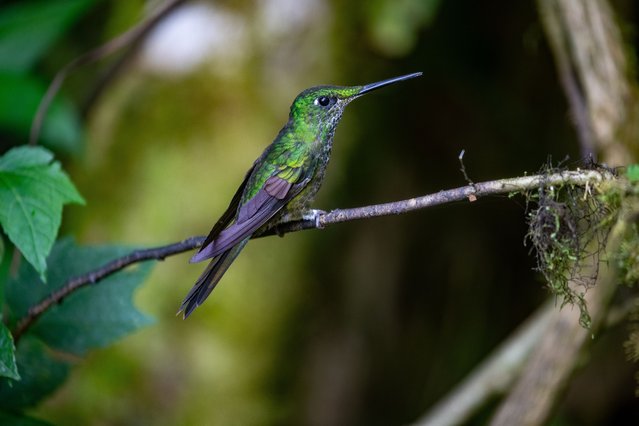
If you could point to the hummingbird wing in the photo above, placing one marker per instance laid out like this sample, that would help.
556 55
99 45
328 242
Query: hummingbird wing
225 243
275 194
230 212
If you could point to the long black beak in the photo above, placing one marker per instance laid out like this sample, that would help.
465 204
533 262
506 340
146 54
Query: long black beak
379 84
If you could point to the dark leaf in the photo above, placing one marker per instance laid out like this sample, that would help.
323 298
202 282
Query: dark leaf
7 418
42 372
94 316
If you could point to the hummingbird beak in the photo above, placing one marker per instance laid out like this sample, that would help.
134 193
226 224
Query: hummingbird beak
379 84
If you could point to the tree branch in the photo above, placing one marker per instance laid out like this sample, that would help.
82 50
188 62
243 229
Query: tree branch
502 186
92 277
495 187
591 60
493 376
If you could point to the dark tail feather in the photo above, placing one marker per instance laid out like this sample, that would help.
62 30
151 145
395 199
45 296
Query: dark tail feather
209 279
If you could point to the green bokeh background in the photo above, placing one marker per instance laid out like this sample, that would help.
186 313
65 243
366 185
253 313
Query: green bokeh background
367 322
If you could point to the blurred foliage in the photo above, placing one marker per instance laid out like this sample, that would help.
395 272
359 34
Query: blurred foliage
27 32
628 259
20 420
28 29
633 172
394 25
42 371
369 322
19 99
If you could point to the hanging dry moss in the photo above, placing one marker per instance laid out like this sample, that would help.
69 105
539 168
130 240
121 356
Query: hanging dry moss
568 231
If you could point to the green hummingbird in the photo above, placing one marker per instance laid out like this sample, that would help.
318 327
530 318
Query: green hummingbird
282 182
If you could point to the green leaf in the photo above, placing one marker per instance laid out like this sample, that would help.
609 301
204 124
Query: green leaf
32 192
20 420
7 354
42 372
632 172
20 96
28 28
94 316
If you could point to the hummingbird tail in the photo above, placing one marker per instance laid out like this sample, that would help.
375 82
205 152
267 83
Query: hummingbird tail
209 279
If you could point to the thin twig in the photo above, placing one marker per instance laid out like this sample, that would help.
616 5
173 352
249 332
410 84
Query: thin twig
502 186
132 36
114 69
463 167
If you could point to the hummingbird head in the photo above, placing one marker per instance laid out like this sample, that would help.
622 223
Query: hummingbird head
319 109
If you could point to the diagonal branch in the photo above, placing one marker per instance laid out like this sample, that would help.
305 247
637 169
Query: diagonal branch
132 37
502 186
493 376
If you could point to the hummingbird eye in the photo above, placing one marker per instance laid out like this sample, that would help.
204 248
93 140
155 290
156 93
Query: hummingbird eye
323 101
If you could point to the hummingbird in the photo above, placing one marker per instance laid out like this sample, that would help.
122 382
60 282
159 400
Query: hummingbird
282 182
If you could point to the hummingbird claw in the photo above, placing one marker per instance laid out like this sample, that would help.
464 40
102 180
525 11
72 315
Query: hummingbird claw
315 215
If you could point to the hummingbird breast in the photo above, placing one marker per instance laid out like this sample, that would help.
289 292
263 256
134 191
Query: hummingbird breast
313 141
318 161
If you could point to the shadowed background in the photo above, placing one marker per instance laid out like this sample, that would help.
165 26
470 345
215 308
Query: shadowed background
367 322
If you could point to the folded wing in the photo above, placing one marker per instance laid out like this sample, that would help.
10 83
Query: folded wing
274 195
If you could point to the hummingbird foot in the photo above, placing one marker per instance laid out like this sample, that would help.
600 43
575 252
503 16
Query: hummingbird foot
315 215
